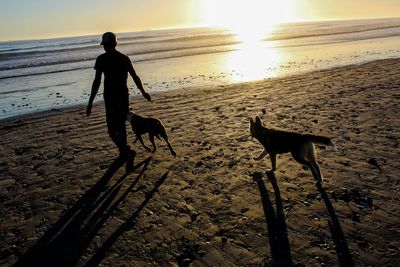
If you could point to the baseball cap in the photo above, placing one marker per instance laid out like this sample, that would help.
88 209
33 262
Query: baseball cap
108 38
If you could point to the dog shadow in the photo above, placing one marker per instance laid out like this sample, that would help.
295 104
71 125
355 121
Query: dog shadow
276 223
64 243
342 250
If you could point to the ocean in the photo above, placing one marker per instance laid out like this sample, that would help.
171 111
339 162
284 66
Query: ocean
40 75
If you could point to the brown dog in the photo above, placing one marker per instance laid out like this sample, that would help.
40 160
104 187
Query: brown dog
152 126
301 146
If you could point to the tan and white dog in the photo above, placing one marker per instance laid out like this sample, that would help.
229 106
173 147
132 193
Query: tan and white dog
301 146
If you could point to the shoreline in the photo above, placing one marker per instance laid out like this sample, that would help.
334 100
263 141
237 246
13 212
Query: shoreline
77 107
64 201
37 93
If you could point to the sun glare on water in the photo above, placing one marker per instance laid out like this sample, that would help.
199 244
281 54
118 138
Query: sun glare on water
251 21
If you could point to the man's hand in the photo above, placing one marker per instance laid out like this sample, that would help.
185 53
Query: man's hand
88 110
147 96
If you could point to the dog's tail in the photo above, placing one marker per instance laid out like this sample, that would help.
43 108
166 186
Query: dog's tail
321 140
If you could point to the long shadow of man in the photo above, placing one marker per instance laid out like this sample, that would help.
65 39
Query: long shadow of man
276 223
68 238
126 226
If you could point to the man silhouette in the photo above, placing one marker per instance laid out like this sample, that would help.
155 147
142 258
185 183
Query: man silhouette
115 67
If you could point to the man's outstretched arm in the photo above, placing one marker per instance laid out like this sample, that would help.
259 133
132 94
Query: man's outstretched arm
95 89
138 83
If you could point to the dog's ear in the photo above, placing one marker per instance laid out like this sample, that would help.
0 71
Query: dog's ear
251 121
258 121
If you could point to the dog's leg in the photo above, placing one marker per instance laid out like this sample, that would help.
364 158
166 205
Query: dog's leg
151 137
134 132
299 157
317 172
262 155
164 135
312 157
141 141
273 163
170 148
271 156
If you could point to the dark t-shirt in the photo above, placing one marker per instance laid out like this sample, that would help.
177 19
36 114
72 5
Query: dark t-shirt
115 67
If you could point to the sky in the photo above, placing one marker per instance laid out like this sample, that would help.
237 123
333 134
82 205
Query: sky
35 19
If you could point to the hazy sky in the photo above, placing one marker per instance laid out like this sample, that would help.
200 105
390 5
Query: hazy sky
26 19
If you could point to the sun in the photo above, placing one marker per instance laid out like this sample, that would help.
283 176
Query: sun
248 19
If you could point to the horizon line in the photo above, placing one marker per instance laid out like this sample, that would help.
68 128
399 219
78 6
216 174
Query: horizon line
43 38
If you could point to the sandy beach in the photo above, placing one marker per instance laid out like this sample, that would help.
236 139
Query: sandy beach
65 201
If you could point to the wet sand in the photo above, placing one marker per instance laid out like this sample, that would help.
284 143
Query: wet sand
66 201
